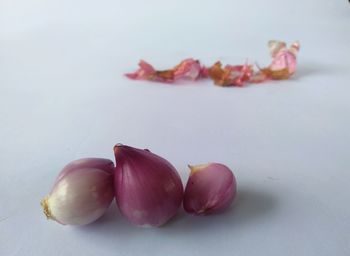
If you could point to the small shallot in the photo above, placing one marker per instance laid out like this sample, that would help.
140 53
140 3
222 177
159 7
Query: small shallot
211 188
82 192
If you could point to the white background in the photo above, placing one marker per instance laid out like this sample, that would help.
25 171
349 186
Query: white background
63 96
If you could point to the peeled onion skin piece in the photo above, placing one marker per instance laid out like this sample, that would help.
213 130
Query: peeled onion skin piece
210 189
81 193
148 188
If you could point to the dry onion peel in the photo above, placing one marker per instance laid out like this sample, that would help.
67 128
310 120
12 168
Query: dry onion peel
283 66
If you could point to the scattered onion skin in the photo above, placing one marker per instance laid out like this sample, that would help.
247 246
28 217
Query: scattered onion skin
148 189
81 193
210 189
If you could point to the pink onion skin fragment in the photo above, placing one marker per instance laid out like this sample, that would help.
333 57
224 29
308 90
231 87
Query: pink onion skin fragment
284 62
81 193
210 189
145 72
282 66
239 74
284 59
188 68
148 189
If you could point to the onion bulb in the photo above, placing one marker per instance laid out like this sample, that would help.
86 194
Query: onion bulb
81 193
148 188
211 188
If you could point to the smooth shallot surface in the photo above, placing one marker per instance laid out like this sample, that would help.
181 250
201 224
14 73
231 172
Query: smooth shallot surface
148 188
210 189
81 193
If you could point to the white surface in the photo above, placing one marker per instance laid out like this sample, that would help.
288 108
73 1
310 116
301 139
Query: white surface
63 96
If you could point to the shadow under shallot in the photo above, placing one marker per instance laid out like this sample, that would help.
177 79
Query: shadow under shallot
249 207
310 69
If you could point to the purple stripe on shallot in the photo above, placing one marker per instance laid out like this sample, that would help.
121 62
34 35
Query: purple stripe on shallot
210 189
82 192
148 188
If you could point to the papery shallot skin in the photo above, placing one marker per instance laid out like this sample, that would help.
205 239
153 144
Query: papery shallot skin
148 188
210 189
81 193
283 66
186 69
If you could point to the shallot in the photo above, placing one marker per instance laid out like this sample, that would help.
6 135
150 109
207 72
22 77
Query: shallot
148 188
82 192
211 188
